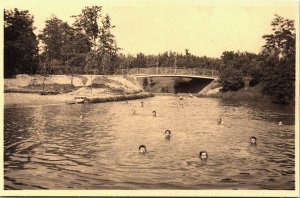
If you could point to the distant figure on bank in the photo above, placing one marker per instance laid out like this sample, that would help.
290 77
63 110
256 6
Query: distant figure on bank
220 121
253 141
280 123
142 149
142 103
181 98
167 134
203 155
154 113
133 111
29 157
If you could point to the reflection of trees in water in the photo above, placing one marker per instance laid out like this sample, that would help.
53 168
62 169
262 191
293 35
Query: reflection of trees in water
260 111
56 129
22 135
21 128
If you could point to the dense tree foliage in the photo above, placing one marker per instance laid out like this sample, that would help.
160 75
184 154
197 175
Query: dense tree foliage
278 57
236 66
88 46
169 59
103 55
274 67
63 46
20 43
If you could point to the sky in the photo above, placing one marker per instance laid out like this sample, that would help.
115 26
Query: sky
206 28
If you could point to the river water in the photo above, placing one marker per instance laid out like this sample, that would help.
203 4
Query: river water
49 146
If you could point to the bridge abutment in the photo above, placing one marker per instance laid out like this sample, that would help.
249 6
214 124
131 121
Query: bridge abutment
174 84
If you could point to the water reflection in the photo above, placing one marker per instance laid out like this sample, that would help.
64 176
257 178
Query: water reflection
96 146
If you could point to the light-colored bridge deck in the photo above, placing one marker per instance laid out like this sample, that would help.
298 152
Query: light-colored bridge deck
171 72
173 75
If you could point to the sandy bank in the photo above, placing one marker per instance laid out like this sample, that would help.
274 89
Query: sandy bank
25 89
24 99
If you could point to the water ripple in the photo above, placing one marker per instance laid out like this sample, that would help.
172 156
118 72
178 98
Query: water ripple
52 147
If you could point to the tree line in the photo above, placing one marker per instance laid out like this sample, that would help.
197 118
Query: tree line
274 67
88 46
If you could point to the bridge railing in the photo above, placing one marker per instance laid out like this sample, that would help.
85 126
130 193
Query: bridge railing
169 71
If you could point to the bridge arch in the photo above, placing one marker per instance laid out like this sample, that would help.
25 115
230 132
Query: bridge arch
173 80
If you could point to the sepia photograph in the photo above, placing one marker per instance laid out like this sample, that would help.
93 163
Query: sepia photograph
193 97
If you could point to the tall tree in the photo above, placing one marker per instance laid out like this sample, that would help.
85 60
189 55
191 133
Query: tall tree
108 46
107 39
87 23
20 43
54 36
103 55
279 60
63 45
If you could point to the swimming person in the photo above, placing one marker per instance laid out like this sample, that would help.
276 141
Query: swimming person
154 113
253 141
220 121
252 148
181 98
142 103
280 123
167 134
142 149
203 155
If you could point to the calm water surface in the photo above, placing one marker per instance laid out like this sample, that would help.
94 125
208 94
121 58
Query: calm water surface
51 147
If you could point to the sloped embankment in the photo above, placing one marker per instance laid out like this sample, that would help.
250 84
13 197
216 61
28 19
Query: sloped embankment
98 88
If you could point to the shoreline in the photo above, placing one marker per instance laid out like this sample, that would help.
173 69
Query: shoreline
12 99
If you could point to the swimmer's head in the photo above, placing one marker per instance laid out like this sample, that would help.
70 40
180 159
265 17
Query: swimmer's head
220 121
133 111
203 155
154 113
142 149
253 140
167 133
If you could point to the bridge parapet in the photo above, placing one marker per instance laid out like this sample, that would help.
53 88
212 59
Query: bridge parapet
169 71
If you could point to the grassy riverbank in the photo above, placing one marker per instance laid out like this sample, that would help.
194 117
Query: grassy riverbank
254 94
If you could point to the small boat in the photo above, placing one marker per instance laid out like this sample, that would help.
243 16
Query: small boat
80 99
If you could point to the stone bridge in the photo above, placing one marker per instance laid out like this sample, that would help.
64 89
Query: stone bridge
171 72
173 80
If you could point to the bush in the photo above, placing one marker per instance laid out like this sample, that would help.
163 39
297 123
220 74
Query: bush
231 79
